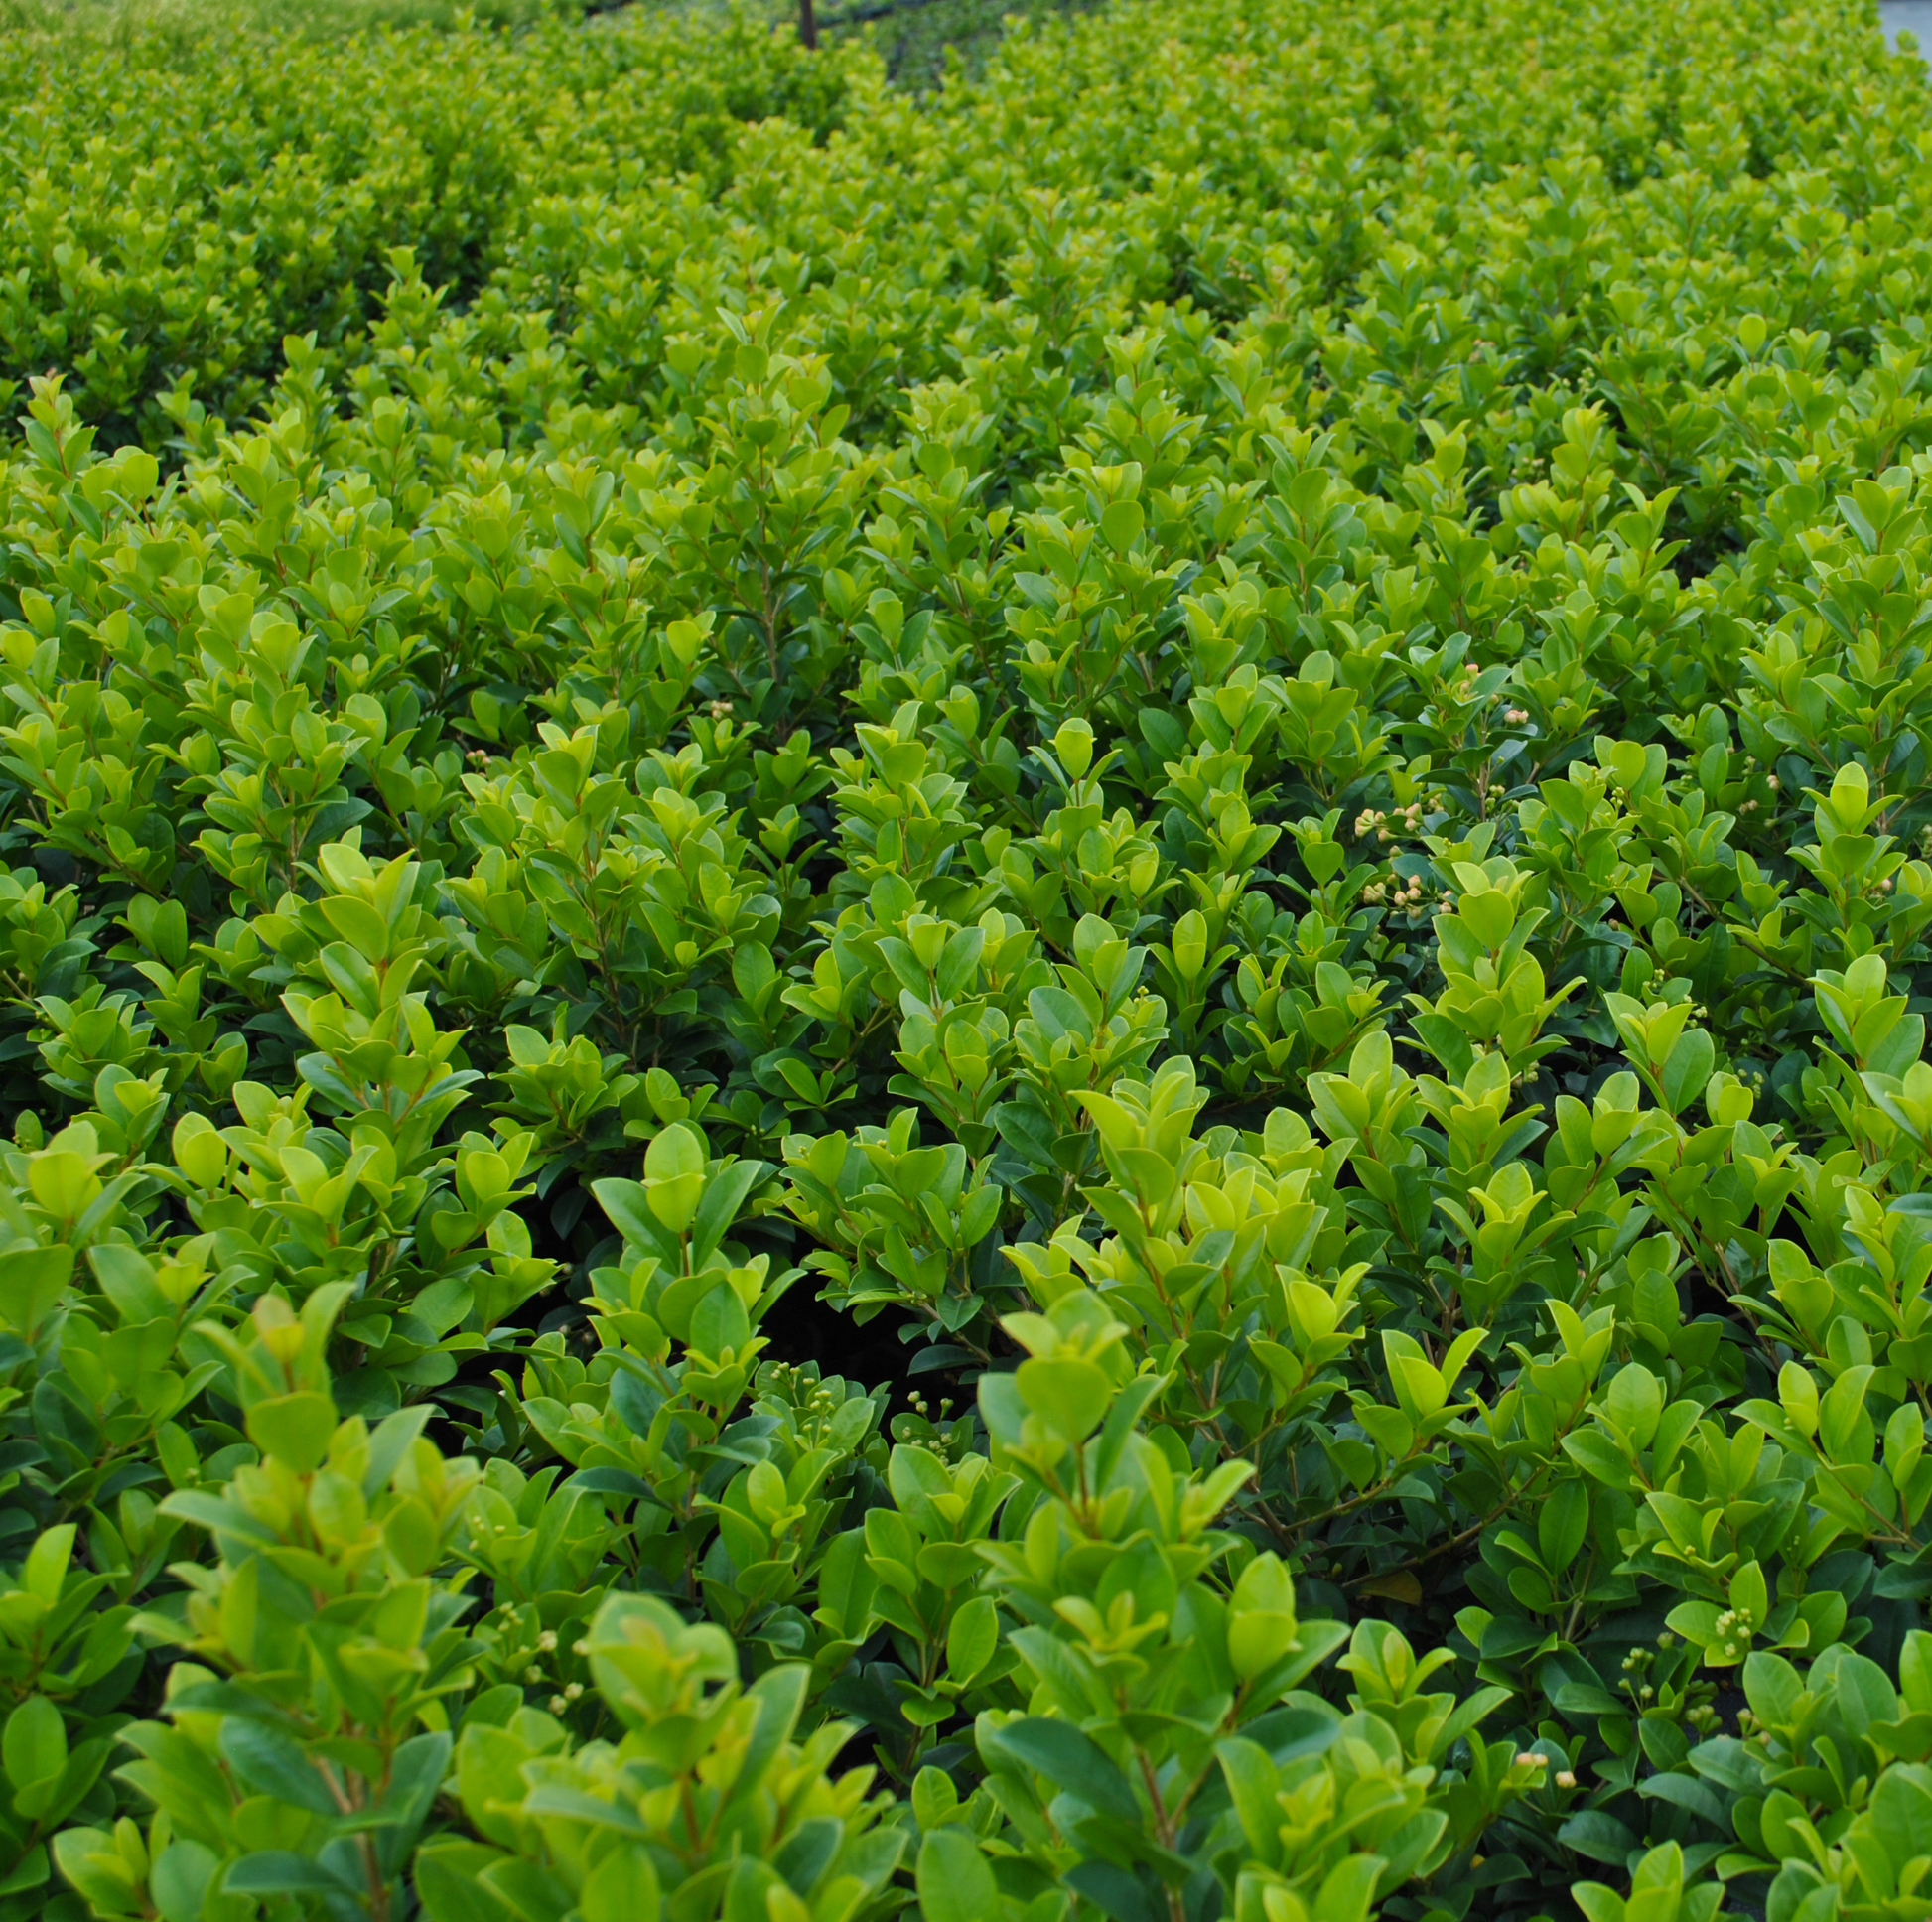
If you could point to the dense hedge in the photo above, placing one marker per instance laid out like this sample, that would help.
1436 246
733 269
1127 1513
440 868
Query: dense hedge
1009 1002
169 213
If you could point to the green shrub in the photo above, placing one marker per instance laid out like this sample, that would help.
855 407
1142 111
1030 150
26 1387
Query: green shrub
1006 1004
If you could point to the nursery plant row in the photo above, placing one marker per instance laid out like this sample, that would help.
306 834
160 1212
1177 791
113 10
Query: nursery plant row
1004 1004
